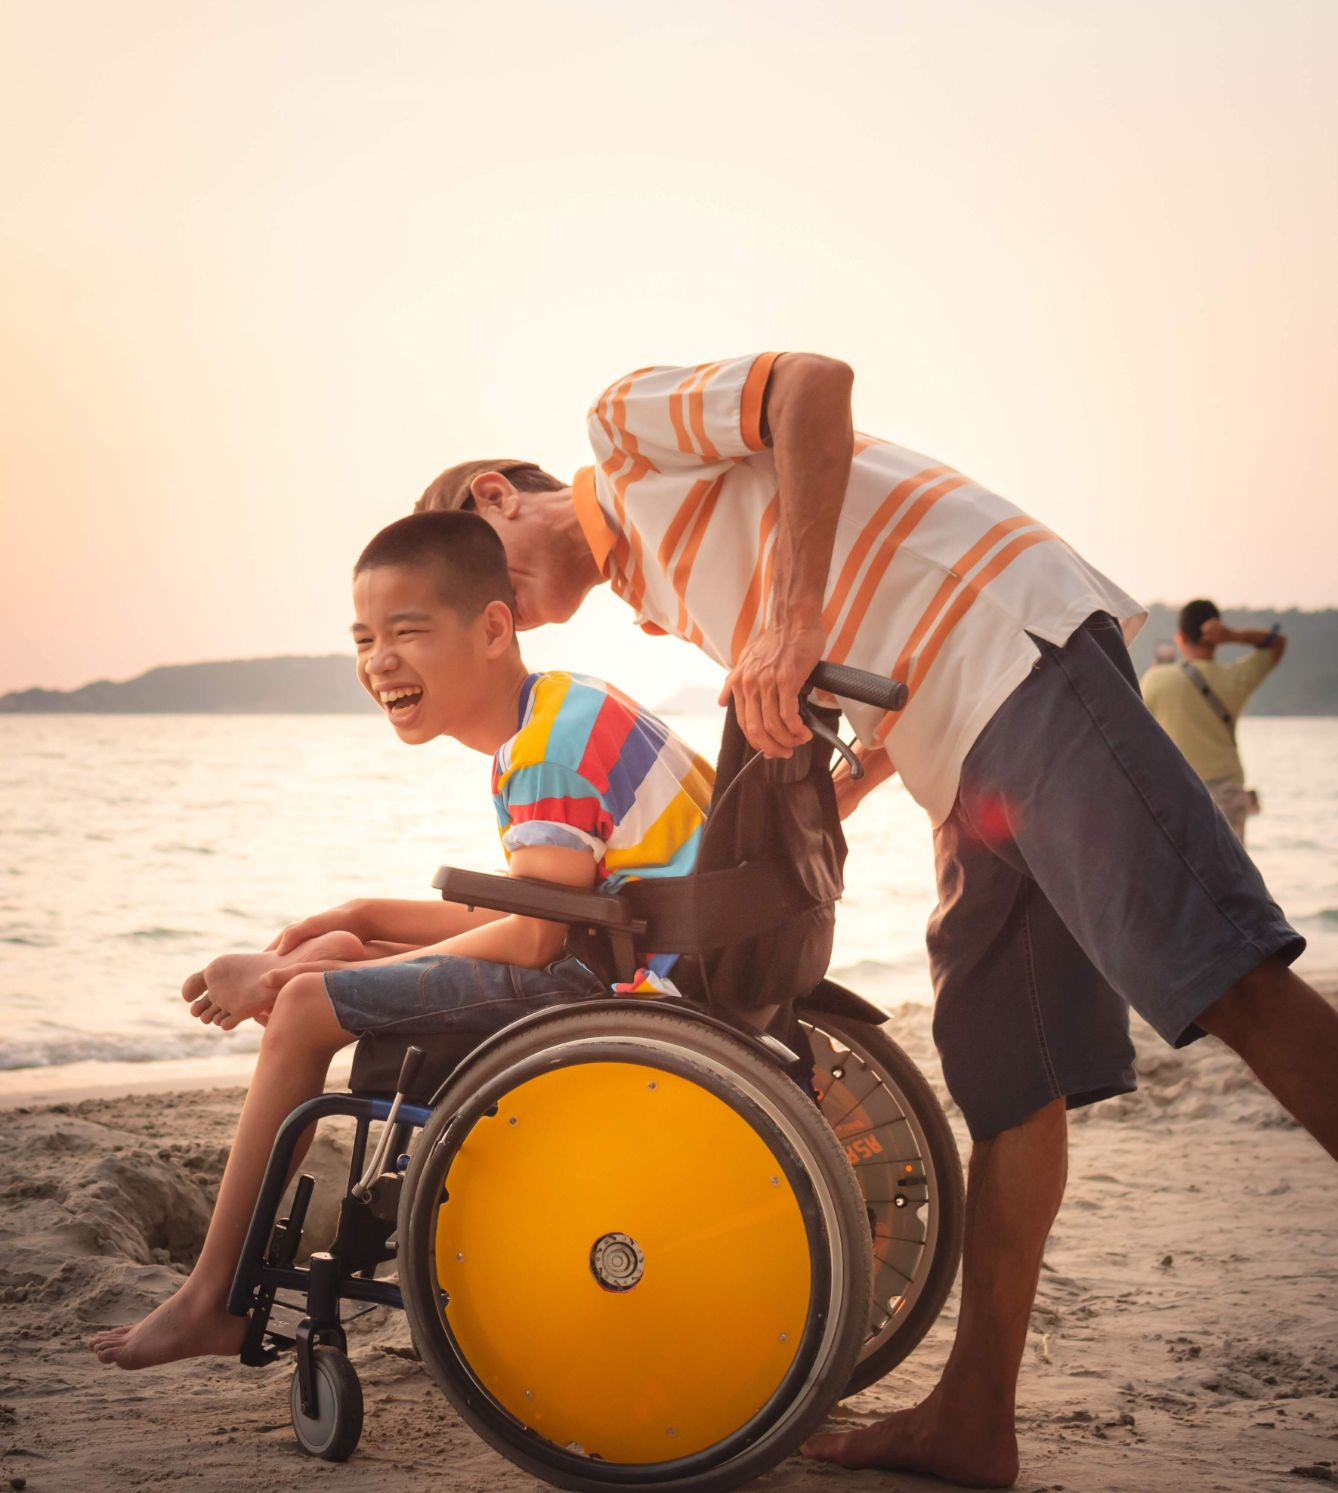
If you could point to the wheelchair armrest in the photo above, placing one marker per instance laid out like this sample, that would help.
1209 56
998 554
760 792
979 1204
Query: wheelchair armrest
530 898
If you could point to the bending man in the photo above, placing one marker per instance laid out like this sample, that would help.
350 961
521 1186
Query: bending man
1082 866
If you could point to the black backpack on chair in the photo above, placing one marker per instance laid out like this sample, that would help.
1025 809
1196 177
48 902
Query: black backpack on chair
753 923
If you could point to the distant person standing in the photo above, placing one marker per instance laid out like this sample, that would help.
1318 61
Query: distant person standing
1197 701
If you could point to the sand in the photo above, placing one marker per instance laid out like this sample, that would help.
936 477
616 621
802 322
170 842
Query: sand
1185 1336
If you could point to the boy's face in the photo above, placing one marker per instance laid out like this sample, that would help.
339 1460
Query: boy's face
422 663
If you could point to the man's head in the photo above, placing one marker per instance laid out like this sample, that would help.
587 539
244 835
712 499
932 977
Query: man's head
532 513
1189 630
436 643
1192 617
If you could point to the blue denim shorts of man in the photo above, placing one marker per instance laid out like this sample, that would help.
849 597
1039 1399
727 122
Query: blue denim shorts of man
1084 869
448 995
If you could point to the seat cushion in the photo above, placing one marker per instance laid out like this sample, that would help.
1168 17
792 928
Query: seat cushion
377 1061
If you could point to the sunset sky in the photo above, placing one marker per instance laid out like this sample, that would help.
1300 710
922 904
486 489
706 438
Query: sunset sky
269 266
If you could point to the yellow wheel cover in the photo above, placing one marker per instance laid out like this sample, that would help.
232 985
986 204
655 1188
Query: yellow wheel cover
706 1304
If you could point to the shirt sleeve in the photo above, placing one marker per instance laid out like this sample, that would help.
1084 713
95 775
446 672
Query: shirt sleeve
683 417
548 804
1246 675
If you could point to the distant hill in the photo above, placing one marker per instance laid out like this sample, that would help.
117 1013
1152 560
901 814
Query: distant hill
247 686
1306 684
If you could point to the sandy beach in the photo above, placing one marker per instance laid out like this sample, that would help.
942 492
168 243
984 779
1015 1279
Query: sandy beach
1185 1335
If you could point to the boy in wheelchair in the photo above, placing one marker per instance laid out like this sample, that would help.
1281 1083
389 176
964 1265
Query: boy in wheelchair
589 791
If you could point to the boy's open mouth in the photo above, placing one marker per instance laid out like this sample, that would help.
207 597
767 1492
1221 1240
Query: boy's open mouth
401 702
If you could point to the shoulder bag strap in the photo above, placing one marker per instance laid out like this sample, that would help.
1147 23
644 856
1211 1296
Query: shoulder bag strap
1196 678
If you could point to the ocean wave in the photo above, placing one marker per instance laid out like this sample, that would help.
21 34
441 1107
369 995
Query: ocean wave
155 935
80 1047
1326 917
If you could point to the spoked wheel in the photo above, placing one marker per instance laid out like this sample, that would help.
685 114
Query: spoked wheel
897 1140
336 1428
633 1254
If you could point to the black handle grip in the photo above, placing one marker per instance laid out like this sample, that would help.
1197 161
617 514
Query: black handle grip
858 684
413 1061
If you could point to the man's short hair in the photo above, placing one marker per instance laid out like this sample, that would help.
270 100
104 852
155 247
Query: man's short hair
463 549
1192 617
451 490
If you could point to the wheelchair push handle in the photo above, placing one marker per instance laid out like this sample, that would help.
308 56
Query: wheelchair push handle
857 684
850 684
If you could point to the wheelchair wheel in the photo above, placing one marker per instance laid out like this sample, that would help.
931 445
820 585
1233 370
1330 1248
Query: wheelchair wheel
335 1430
904 1157
633 1254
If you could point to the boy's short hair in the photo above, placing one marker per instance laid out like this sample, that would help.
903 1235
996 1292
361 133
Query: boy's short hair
451 490
462 548
1192 617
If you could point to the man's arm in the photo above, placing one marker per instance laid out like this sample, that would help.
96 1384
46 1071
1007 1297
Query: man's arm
1216 631
806 418
878 767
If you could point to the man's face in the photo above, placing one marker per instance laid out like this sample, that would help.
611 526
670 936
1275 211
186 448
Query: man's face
417 658
545 589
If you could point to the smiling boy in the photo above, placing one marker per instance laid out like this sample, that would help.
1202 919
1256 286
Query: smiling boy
589 790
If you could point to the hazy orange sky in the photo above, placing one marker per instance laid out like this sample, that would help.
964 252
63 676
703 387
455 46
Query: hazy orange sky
269 266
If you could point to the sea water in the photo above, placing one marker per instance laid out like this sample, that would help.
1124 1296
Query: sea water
135 848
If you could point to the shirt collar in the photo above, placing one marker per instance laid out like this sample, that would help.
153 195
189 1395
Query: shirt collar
591 517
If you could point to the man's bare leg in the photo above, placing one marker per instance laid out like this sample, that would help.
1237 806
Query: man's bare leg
301 1038
964 1431
1288 1035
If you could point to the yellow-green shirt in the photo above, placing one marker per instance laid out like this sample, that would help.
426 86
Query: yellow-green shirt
1187 718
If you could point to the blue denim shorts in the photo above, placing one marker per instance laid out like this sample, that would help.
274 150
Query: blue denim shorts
444 994
1084 869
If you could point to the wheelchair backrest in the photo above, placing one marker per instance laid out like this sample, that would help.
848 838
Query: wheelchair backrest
753 924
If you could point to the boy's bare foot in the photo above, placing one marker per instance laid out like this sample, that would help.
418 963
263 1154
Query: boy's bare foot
231 983
917 1440
182 1327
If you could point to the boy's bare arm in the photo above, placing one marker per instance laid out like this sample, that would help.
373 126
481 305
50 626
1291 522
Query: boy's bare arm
505 938
388 920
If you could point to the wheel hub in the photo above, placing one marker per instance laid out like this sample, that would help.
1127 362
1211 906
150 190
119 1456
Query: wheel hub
616 1262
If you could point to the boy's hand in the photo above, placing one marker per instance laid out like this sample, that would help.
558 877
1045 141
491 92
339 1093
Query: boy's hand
345 919
276 979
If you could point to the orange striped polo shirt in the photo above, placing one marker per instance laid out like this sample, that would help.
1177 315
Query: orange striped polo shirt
934 579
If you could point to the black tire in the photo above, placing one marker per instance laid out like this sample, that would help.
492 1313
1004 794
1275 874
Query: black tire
898 1123
767 1099
334 1432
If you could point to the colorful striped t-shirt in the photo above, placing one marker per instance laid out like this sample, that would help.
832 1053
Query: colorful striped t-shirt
589 769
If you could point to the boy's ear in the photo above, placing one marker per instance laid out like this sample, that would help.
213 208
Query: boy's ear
499 628
491 491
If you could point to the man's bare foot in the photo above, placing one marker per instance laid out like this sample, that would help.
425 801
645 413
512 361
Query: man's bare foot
917 1440
181 1327
231 983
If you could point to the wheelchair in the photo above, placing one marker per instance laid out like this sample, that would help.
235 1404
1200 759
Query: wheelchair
641 1242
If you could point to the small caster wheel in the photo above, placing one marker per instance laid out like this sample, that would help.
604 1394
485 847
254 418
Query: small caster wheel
334 1431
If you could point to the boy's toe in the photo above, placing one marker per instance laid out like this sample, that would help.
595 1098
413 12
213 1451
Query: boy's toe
194 986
